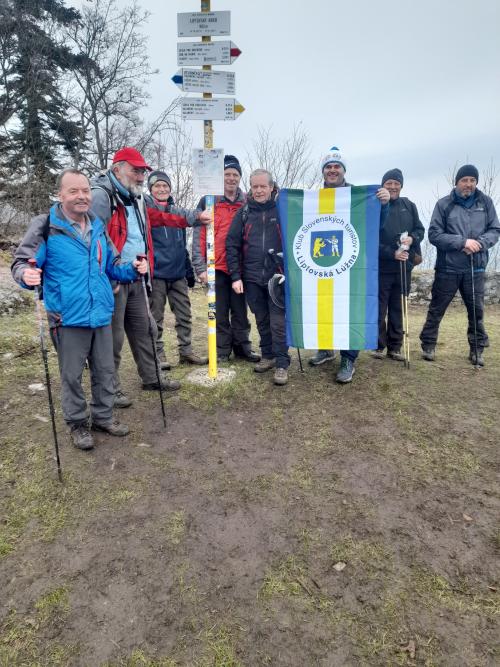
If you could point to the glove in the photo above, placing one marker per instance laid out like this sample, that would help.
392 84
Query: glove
191 281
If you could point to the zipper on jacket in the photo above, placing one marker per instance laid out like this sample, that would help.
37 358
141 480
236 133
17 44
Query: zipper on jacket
263 244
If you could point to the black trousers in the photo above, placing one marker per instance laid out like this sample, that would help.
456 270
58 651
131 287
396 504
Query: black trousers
270 323
233 327
443 290
390 315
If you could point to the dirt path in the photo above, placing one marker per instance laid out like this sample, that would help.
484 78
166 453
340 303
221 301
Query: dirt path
308 525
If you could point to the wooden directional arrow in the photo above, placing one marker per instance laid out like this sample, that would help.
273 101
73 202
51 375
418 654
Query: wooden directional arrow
207 53
203 81
217 108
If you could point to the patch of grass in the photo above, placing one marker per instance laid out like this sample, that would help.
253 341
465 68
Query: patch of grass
300 475
176 527
219 649
290 579
434 590
53 604
372 557
139 658
21 638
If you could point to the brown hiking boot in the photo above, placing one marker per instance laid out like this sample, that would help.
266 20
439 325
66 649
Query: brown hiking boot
193 358
280 376
264 365
81 437
114 427
166 385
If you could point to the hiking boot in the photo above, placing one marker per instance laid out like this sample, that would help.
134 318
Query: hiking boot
429 353
122 400
264 365
250 356
222 358
321 357
395 355
81 437
165 366
479 360
377 354
166 385
192 358
114 427
280 376
346 371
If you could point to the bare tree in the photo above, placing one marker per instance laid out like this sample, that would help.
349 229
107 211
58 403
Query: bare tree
170 150
107 92
289 159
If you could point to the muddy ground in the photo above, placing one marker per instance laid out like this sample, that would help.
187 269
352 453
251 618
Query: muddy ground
310 525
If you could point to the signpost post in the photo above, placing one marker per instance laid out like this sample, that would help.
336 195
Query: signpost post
206 24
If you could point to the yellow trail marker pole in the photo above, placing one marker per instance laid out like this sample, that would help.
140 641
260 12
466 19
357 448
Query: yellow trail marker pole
208 143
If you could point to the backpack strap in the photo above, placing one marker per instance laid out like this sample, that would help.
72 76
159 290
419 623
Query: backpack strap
446 213
113 202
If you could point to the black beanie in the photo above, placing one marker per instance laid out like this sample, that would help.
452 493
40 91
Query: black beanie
155 176
231 162
467 170
393 175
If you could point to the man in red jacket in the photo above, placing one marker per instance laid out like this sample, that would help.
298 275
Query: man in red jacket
233 327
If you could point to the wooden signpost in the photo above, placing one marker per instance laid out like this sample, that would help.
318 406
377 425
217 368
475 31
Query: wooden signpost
207 24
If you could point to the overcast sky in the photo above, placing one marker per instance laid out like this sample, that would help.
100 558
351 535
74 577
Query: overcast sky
416 85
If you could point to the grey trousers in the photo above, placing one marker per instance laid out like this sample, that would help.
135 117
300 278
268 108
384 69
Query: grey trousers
131 318
76 345
178 299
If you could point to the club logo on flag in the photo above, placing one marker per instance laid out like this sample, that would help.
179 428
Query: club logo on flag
327 247
323 243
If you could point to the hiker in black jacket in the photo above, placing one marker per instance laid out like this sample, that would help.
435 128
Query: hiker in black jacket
253 233
464 225
402 218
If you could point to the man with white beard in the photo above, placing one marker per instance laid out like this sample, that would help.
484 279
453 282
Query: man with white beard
117 200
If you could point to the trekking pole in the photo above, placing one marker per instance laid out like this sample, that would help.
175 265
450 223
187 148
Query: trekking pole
153 344
476 365
43 347
407 322
403 320
300 360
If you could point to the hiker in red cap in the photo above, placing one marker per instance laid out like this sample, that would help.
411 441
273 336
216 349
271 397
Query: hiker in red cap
117 199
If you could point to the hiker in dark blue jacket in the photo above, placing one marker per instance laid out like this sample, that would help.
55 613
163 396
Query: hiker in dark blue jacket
77 259
464 225
173 272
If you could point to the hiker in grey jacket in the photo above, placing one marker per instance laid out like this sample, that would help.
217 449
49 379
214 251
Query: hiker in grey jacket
463 227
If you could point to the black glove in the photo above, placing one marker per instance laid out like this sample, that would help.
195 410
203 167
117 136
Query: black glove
191 281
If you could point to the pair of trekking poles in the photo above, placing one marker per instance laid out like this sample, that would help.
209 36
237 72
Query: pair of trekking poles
404 309
44 351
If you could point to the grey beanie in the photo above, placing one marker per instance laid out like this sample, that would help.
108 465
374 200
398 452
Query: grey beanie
393 175
156 176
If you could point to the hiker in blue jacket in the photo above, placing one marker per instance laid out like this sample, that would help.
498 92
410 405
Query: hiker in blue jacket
74 254
173 271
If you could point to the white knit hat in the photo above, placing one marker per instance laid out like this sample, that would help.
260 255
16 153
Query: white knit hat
333 156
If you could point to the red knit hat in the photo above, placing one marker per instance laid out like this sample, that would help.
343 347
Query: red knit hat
132 156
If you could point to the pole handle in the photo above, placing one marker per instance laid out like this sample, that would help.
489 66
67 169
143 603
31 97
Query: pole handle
141 256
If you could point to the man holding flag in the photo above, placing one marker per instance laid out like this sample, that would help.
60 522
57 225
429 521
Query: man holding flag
334 169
